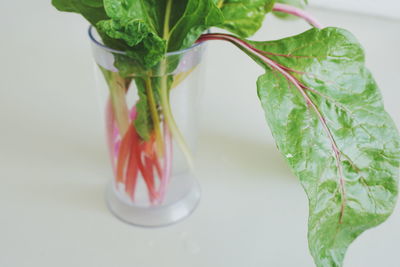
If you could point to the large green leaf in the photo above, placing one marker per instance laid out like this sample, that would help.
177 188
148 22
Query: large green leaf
131 23
244 17
335 134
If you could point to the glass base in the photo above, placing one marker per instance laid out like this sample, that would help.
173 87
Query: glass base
182 198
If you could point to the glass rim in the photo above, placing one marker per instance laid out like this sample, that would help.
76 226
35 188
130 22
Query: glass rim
112 50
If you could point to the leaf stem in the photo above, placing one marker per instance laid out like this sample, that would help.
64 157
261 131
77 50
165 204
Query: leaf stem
166 173
169 118
288 9
167 19
164 94
154 116
118 86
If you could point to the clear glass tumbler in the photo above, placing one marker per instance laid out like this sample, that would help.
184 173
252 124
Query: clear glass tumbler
147 113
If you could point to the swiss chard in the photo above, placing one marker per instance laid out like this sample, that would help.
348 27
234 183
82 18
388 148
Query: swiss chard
321 103
327 117
328 120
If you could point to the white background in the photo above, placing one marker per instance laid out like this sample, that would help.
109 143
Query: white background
54 166
384 8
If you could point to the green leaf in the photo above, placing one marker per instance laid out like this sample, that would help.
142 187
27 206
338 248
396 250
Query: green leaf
92 10
130 22
93 3
157 10
335 135
144 46
198 16
244 17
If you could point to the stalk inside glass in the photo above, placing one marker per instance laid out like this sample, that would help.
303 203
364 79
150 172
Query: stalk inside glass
147 113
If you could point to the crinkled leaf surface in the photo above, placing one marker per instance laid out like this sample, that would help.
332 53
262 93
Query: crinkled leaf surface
354 188
131 23
244 17
150 28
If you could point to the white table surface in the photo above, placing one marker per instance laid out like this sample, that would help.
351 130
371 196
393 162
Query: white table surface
54 165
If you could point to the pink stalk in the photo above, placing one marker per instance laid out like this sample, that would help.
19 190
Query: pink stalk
116 140
166 174
149 179
237 41
298 13
110 125
157 167
117 143
133 113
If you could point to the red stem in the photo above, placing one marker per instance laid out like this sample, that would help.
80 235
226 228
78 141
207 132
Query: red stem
124 152
157 166
132 169
287 9
110 125
148 168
